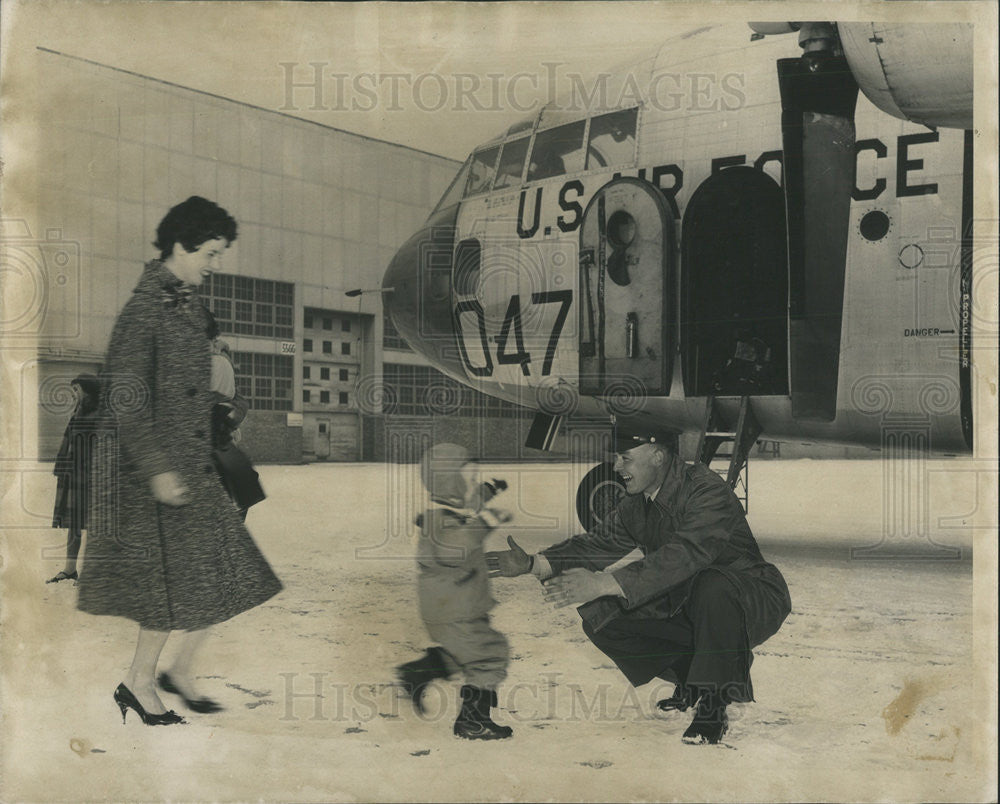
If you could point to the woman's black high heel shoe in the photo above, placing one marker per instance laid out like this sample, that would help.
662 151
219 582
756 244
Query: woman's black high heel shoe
204 706
126 700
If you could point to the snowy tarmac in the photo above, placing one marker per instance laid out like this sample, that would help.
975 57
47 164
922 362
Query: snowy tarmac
866 693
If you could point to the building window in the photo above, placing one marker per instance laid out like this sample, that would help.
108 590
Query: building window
265 380
345 325
324 397
342 397
244 305
244 318
327 323
344 375
306 371
263 297
307 345
307 319
305 397
409 386
324 373
222 308
328 347
345 348
391 339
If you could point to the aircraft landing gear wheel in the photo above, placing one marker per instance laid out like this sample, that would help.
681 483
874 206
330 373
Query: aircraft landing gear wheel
598 493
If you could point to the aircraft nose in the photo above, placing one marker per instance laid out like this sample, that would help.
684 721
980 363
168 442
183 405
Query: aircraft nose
419 303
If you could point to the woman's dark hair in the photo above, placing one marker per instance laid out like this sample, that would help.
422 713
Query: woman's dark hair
90 387
192 223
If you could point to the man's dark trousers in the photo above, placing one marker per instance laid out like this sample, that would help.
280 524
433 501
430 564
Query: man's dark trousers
704 645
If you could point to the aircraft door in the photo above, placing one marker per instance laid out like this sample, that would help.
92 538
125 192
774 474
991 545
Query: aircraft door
734 286
627 279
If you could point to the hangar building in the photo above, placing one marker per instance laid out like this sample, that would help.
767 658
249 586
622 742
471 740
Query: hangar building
320 211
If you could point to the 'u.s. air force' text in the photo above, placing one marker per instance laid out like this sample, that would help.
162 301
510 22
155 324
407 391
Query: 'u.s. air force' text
669 179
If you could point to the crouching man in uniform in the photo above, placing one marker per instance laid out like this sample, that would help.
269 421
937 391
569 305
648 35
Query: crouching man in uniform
696 603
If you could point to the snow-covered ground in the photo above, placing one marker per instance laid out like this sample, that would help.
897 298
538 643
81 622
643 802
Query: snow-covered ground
867 692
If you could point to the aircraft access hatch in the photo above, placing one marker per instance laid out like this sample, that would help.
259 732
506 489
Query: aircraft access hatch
734 287
627 298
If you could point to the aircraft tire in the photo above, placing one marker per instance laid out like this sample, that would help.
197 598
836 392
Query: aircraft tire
598 493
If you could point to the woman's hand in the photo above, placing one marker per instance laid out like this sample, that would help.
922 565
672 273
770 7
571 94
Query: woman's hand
168 489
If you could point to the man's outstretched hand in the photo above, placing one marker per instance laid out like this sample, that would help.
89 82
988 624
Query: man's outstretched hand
578 585
508 563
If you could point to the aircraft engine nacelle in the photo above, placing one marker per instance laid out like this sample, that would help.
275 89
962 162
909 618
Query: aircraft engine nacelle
918 72
914 71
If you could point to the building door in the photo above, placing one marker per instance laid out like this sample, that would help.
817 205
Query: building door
323 440
343 437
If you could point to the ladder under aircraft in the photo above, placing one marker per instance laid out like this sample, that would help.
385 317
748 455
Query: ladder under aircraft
716 431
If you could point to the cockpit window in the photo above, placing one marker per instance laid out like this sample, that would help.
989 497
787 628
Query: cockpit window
521 125
455 190
511 163
557 151
481 171
468 264
612 139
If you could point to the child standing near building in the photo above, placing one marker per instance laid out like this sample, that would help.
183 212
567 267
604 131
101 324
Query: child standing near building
454 593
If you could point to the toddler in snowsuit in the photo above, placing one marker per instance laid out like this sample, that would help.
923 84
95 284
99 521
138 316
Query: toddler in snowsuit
454 593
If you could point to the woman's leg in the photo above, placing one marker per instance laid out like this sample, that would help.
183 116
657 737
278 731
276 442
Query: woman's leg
73 539
68 572
181 671
141 676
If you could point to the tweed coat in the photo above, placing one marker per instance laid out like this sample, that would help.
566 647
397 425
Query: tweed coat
695 524
166 567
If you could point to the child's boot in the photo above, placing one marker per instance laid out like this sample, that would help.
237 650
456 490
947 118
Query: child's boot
416 675
474 721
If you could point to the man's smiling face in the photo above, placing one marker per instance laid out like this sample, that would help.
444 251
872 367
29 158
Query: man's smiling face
642 468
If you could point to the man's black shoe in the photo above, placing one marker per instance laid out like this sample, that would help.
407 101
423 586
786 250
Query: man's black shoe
416 675
684 698
710 722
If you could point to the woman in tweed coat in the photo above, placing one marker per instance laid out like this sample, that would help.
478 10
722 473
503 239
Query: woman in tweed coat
167 546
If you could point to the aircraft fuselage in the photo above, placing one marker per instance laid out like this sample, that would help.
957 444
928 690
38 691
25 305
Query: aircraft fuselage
809 254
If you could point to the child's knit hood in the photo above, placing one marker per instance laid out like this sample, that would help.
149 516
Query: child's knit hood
441 471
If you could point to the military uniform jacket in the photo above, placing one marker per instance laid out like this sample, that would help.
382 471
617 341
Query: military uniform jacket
695 524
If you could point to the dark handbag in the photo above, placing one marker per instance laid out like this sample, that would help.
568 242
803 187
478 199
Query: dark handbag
238 475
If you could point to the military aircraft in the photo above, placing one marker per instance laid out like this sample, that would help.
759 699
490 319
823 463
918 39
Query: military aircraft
724 236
